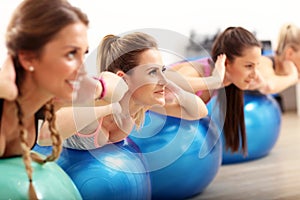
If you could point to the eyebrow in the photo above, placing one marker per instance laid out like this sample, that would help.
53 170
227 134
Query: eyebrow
156 67
75 47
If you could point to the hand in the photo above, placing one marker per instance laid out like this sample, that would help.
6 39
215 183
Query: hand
291 69
220 69
116 87
8 86
258 83
116 108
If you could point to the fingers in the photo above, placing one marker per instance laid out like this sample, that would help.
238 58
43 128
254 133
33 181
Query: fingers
8 86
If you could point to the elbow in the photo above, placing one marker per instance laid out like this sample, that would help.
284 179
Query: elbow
268 89
201 112
205 113
44 138
44 142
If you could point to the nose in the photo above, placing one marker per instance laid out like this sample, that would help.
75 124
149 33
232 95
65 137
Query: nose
81 72
162 80
80 65
253 74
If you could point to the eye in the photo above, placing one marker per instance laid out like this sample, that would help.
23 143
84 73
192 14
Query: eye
163 69
153 72
71 54
249 66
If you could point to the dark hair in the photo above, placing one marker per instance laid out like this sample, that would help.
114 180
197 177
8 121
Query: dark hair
232 42
33 24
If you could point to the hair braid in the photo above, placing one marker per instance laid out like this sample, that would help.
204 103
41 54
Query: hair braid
55 137
26 151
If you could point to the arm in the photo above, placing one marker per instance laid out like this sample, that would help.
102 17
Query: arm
70 120
193 81
8 88
111 87
181 104
268 82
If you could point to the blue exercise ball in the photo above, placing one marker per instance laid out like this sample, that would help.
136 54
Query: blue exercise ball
114 171
263 123
182 156
49 180
44 150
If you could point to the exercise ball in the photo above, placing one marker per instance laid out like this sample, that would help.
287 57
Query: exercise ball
49 180
262 121
114 171
44 150
182 157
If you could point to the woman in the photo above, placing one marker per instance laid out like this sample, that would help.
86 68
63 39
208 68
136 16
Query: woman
281 71
234 71
46 42
134 57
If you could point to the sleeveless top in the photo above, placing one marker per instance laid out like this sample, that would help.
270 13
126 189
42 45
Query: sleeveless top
205 62
90 141
38 116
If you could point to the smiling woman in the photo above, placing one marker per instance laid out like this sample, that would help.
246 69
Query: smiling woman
236 53
134 57
46 43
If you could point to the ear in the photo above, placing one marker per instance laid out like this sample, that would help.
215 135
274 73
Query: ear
26 59
120 73
227 63
289 52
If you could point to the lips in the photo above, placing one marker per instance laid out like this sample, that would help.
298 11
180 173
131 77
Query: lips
75 84
161 92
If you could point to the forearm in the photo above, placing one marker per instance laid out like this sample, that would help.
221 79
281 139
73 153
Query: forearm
194 83
277 84
192 106
70 120
183 104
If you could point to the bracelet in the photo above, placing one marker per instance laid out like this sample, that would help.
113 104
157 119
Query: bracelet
103 93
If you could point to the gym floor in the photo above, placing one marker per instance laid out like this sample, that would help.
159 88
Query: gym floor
275 176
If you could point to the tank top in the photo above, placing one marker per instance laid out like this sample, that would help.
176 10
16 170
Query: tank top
38 116
90 141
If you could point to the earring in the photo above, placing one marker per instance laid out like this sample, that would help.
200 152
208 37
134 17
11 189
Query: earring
31 68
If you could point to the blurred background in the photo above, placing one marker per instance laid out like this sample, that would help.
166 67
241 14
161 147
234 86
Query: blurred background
200 20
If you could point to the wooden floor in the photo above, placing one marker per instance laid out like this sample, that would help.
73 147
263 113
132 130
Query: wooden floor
276 176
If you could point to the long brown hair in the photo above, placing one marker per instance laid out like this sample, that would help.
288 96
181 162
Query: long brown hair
34 23
122 53
233 41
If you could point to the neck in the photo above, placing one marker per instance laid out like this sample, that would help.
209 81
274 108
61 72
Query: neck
129 106
31 98
226 80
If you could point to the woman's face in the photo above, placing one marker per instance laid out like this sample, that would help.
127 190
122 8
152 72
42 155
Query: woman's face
146 82
56 71
242 70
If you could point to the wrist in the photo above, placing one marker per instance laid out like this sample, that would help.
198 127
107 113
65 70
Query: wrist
103 86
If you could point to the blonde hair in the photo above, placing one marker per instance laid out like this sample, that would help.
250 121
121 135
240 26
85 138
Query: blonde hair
122 53
289 36
27 156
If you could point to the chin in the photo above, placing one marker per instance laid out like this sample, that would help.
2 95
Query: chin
160 102
243 86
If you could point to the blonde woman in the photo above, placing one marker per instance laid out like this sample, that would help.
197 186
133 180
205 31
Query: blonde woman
134 57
